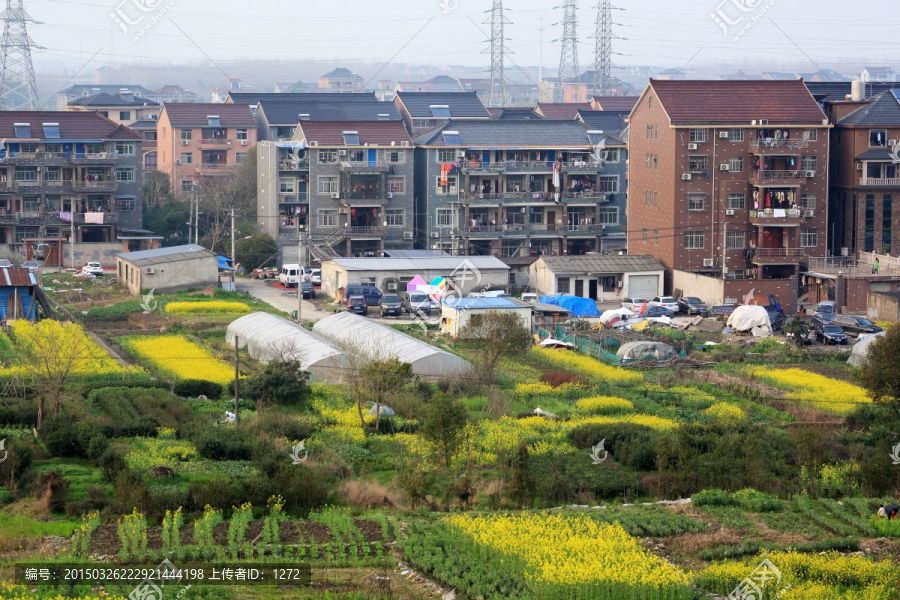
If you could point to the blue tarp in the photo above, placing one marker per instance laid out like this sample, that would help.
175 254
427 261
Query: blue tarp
225 264
579 307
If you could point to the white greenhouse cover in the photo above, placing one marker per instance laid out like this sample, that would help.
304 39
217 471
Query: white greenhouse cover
749 317
374 341
267 337
861 349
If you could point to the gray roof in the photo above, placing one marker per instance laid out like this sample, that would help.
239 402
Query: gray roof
81 89
166 255
598 264
836 91
105 99
515 134
414 253
608 121
883 110
447 264
463 105
286 112
876 154
256 97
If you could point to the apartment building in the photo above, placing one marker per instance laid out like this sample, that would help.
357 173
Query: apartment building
341 80
347 185
423 111
520 189
277 118
122 108
149 153
198 141
65 173
728 184
865 174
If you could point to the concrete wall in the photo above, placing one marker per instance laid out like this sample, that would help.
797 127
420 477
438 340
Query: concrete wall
453 321
733 291
192 273
545 281
884 307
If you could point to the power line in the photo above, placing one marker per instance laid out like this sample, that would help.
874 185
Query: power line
17 82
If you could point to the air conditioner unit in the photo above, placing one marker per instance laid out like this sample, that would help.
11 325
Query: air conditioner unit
185 142
435 234
335 195
693 146
313 143
460 154
729 212
178 162
342 153
407 235
724 167
243 142
150 271
390 195
809 214
810 174
686 177
392 286
723 135
404 144
859 166
709 262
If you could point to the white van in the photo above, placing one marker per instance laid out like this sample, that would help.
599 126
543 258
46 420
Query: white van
289 275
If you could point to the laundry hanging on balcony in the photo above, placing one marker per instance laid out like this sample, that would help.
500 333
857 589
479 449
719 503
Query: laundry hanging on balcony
93 218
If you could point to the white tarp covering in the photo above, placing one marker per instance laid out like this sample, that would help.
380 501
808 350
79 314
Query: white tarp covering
646 351
375 341
616 317
750 318
861 349
267 337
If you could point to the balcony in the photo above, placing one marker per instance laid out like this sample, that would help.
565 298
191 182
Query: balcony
366 232
524 198
293 198
586 196
526 166
213 168
218 142
765 145
779 256
779 217
519 230
478 167
367 167
879 181
94 186
581 166
294 165
90 157
779 178
96 218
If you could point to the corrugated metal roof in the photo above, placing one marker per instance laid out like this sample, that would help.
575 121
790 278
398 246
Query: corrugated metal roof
602 264
17 277
426 263
164 255
485 304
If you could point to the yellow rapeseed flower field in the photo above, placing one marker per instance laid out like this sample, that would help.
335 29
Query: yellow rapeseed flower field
827 394
181 358
207 307
588 366
604 405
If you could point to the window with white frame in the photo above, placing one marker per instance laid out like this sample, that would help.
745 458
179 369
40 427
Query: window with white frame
699 136
878 138
328 185
612 155
811 135
736 165
609 184
395 217
651 198
652 161
809 238
735 135
698 164
694 240
446 155
125 204
328 157
396 185
53 203
609 215
645 235
696 202
287 186
187 134
652 132
736 240
737 200
808 201
124 148
328 217
125 174
187 185
26 173
186 158
445 186
241 135
809 163
563 285
52 174
31 204
444 217
395 156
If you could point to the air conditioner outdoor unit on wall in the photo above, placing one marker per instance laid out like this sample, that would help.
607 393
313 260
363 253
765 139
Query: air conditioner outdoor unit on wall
407 235
693 146
335 195
342 153
709 262
724 167
809 214
723 135
185 142
460 154
810 174
686 177
435 234
729 213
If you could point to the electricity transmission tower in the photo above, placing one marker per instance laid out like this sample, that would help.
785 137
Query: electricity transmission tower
498 21
17 87
603 37
568 56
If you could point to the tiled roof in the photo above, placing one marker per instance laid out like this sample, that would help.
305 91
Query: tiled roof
514 113
439 83
194 114
598 264
714 102
331 134
463 105
611 121
104 99
341 73
835 91
72 125
79 89
625 103
561 110
256 97
883 110
145 124
281 112
514 134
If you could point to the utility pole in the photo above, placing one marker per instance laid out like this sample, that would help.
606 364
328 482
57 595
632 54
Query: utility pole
190 238
72 242
237 382
197 218
17 87
497 50
300 267
568 56
724 249
233 259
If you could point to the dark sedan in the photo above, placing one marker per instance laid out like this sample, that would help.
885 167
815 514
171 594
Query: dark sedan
656 312
829 333
357 304
691 305
391 306
856 325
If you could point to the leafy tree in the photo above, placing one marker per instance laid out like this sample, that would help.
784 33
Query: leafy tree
378 382
879 374
279 382
169 220
498 334
257 250
797 330
443 425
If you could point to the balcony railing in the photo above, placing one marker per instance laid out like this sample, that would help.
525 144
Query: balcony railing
592 195
880 181
779 217
779 256
521 229
291 165
293 198
103 185
767 143
774 176
367 165
367 231
215 141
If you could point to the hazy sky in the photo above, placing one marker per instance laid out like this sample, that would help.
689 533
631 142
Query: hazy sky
445 32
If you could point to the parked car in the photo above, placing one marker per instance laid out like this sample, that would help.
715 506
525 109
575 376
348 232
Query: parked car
358 305
691 305
316 276
826 310
530 297
289 275
856 325
722 310
5 263
415 302
777 319
828 333
667 302
371 293
391 306
658 311
307 289
634 304
264 274
93 268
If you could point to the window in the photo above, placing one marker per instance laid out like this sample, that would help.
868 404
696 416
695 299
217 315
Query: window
328 185
809 238
563 285
735 240
22 130
645 235
395 217
808 201
26 174
396 185
328 157
736 165
445 190
612 155
125 174
240 157
150 136
870 223
187 134
53 203
187 185
696 202
51 131
736 201
186 158
699 136
358 156
887 213
698 164
241 134
52 174
651 198
536 215
878 138
652 132
735 135
451 138
328 218
694 240
124 148
351 138
444 217
811 135
31 204
609 184
125 204
395 156
652 161
287 186
609 216
809 163
651 102
124 115
446 156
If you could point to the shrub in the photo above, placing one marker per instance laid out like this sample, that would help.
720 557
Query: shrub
194 388
558 378
279 424
97 446
604 405
728 415
755 501
713 497
224 444
62 438
279 382
112 462
54 488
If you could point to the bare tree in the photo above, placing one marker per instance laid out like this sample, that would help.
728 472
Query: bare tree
498 334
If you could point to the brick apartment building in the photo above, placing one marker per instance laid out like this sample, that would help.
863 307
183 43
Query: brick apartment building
197 141
728 185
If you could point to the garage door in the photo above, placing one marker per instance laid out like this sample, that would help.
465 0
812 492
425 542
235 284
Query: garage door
643 286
